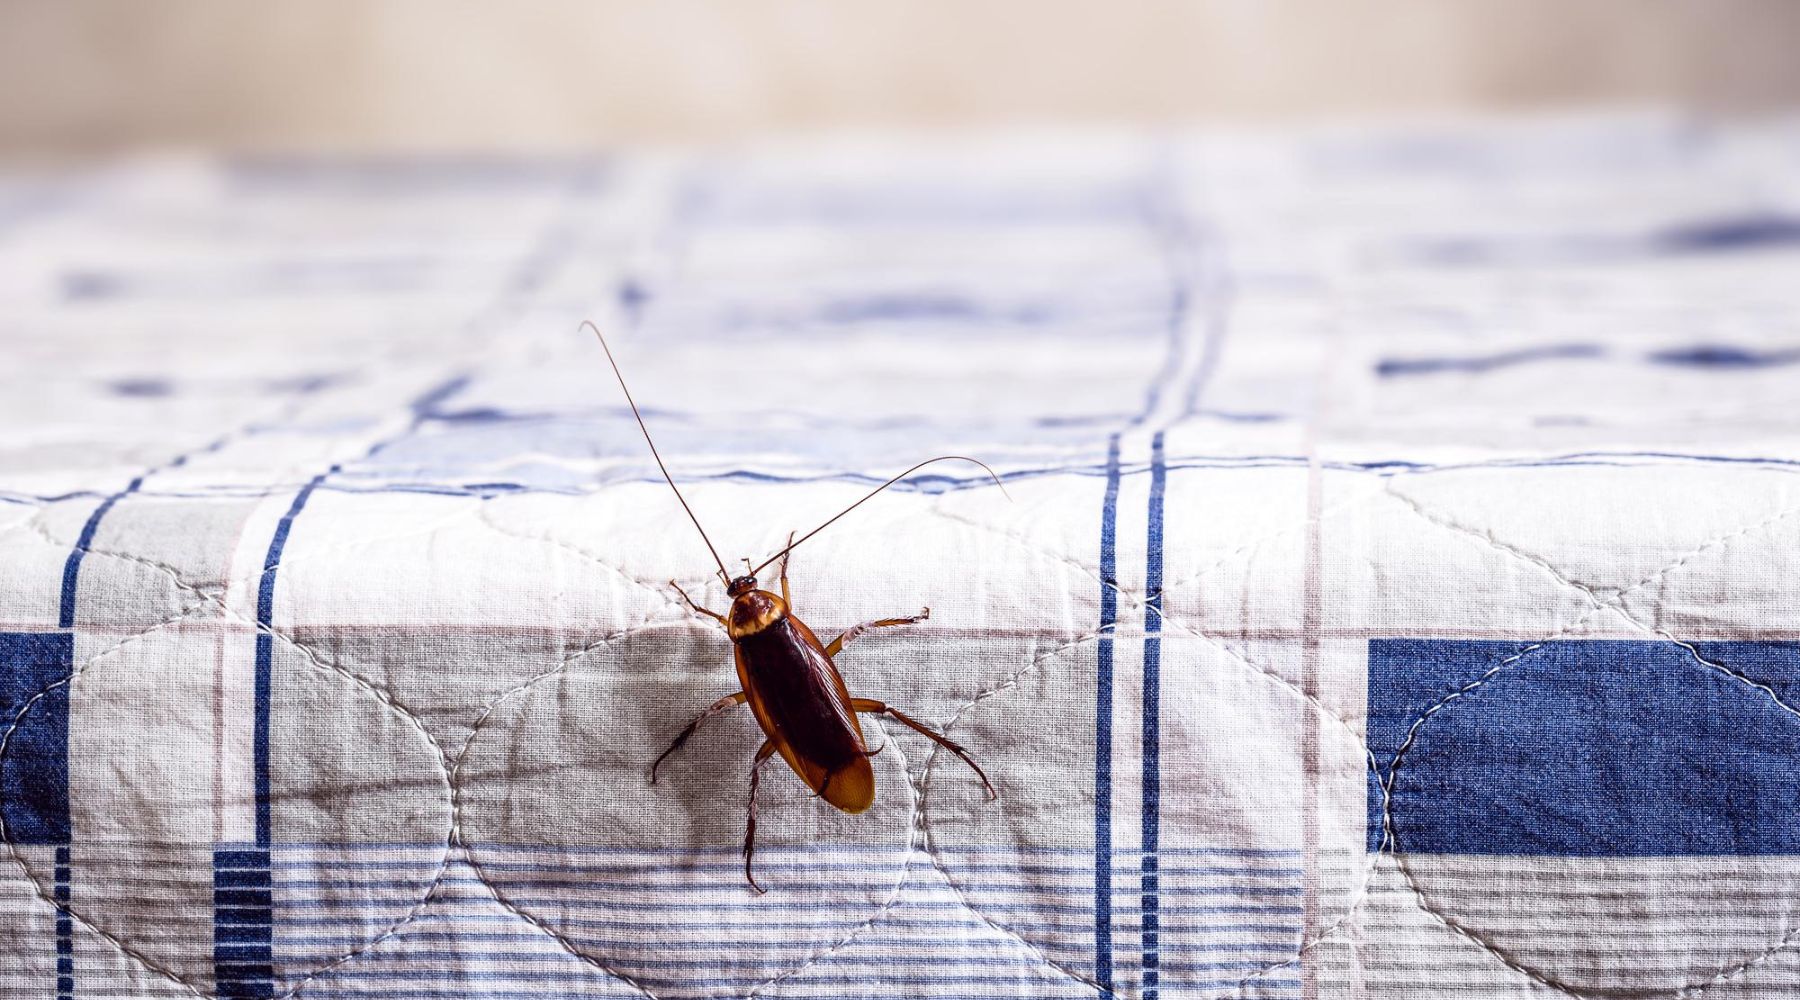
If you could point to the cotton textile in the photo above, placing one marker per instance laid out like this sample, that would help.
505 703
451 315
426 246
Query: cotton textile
1395 590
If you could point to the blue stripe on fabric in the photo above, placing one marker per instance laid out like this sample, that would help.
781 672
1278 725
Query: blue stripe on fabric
1028 909
65 618
809 866
257 952
265 650
1028 975
65 927
85 541
286 849
236 919
426 406
1152 710
72 566
925 960
703 953
456 988
239 919
1469 365
243 932
1174 237
1620 459
468 991
328 943
590 885
240 878
1103 720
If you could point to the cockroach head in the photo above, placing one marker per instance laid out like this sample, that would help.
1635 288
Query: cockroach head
740 586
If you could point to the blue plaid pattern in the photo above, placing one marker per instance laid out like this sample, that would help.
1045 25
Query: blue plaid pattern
1396 595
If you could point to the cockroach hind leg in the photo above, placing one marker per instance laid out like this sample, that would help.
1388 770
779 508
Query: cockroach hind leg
873 707
762 755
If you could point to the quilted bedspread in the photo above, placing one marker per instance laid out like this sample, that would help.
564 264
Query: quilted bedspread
1395 591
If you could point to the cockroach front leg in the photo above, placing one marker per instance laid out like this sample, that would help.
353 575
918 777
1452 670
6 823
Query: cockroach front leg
873 707
762 756
855 630
723 704
714 615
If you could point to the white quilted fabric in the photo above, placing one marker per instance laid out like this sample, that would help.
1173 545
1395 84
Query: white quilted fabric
1397 594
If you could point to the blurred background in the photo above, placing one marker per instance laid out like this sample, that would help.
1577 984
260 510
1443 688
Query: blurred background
85 77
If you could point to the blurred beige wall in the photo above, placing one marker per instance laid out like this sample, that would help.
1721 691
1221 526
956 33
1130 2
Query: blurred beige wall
83 76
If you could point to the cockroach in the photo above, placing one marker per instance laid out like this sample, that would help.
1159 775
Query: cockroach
790 679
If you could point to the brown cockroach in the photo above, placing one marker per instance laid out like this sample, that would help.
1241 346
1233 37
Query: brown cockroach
789 678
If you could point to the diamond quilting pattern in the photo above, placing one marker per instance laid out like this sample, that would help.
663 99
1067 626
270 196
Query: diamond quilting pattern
1398 591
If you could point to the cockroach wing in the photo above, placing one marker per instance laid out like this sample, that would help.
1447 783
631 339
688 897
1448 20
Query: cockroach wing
801 703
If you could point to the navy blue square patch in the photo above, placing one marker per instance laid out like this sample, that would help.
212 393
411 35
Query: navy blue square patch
1586 748
34 776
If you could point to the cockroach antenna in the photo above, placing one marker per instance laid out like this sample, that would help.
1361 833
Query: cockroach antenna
792 545
789 678
723 574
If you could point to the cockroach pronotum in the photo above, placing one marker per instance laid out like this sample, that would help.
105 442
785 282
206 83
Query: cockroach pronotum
789 678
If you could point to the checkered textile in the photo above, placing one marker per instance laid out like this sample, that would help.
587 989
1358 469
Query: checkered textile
1395 591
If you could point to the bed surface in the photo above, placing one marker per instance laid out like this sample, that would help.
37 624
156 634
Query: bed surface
1394 593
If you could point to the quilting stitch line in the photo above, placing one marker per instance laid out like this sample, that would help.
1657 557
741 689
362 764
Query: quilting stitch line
64 869
204 602
359 680
1390 842
1391 819
456 786
493 490
312 656
265 650
1132 597
1267 675
1306 946
915 831
526 280
1218 641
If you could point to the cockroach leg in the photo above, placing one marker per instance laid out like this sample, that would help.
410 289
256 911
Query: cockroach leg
714 615
788 551
762 756
874 707
723 704
855 630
